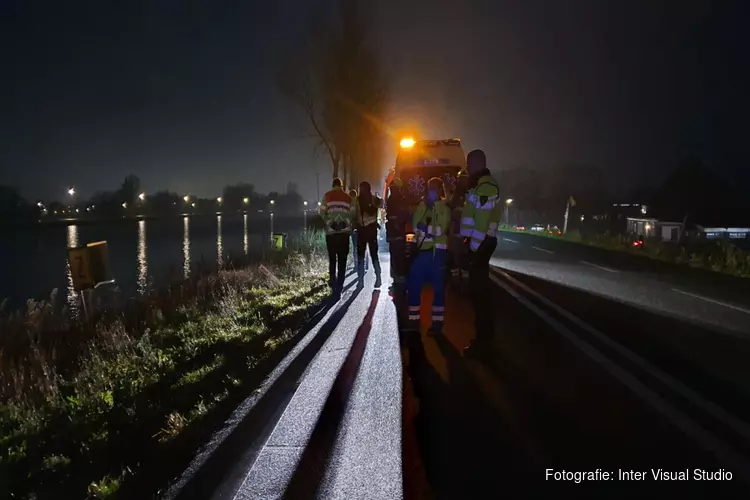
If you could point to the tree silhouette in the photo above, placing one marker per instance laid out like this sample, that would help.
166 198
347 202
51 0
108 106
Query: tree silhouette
336 79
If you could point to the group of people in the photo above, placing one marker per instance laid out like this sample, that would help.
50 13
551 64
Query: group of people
350 215
468 220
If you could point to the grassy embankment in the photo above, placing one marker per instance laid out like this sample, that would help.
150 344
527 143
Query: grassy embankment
722 256
116 407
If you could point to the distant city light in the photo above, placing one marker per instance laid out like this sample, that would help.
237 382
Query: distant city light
509 201
77 210
319 203
186 198
218 199
193 205
305 202
272 202
246 200
72 191
142 196
40 204
124 204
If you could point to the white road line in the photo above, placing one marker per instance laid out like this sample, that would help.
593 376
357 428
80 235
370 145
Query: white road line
508 239
599 267
736 308
543 250
677 417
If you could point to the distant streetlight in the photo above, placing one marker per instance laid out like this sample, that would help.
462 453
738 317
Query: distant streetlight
272 202
319 203
218 200
124 204
245 200
192 204
77 210
142 196
40 204
72 191
507 209
305 202
186 198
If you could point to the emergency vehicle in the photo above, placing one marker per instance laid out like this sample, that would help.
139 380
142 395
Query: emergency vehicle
419 161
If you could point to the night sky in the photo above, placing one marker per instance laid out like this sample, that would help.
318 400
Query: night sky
182 94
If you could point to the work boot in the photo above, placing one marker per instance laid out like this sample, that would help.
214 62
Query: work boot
411 326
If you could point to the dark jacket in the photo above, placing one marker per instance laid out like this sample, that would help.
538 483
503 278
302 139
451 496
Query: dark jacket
397 211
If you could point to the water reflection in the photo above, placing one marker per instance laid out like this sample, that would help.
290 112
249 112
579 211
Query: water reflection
72 294
245 244
142 261
186 246
219 247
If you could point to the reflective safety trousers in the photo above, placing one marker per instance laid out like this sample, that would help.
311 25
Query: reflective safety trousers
428 267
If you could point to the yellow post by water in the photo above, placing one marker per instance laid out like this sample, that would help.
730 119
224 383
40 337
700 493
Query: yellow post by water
278 240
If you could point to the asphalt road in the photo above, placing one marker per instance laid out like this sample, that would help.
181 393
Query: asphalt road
580 383
719 301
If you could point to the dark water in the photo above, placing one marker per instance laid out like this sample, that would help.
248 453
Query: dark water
143 253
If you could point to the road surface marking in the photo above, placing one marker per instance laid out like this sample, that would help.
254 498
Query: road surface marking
543 250
736 308
508 239
677 417
599 267
712 408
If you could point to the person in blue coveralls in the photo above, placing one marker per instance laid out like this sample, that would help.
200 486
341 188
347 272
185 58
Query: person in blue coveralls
431 222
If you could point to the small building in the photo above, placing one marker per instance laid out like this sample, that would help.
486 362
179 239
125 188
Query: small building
654 228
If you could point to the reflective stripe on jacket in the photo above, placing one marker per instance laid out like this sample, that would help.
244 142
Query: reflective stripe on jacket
481 212
436 235
336 210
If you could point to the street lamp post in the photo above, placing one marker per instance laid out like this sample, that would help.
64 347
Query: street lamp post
272 202
304 211
507 210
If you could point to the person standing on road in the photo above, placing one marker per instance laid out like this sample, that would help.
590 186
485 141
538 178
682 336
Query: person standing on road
397 213
336 210
367 208
355 260
456 247
431 222
479 219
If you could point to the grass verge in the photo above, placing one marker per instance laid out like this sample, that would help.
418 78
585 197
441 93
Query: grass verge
116 408
719 256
